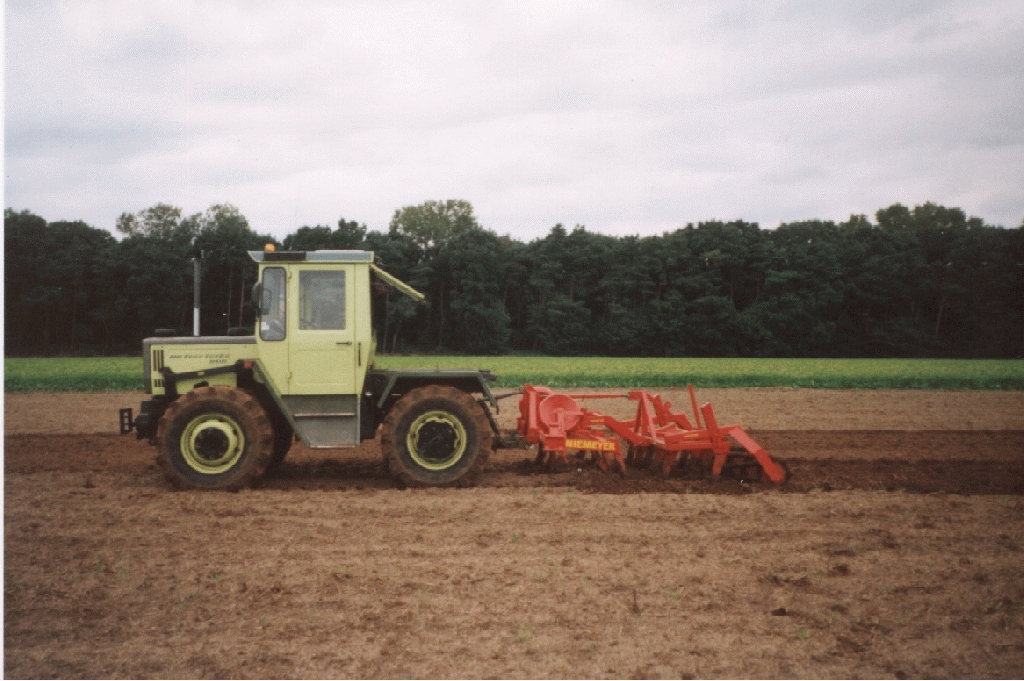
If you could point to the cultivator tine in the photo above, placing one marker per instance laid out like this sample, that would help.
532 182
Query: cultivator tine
718 464
645 457
775 472
663 462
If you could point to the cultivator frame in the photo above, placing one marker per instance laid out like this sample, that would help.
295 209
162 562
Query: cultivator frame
656 438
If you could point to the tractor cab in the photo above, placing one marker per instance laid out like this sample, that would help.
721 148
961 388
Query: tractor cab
314 335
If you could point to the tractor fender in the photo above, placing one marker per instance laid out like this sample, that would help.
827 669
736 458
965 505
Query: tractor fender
389 384
385 387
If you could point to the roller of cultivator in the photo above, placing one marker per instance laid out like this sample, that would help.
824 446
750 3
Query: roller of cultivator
656 438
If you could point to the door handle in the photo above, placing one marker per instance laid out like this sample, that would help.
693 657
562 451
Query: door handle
344 342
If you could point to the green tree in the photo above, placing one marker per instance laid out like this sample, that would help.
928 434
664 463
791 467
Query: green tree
27 289
224 238
921 281
58 289
458 266
159 221
566 297
797 312
434 224
348 236
155 273
479 321
394 313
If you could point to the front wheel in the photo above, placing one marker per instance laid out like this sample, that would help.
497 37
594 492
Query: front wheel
435 435
215 437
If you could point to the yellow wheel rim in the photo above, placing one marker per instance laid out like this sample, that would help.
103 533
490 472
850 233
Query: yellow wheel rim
212 444
436 440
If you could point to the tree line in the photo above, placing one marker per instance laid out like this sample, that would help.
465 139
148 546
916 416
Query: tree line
922 282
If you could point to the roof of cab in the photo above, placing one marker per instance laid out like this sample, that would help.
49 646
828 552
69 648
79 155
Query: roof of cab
312 256
338 257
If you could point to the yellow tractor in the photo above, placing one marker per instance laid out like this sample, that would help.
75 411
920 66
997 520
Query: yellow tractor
225 409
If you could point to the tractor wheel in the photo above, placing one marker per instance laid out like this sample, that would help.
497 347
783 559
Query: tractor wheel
435 435
215 437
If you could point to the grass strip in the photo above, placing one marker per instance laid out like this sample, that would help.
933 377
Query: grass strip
630 372
73 374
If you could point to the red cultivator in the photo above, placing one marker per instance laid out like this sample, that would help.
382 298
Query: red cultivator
656 438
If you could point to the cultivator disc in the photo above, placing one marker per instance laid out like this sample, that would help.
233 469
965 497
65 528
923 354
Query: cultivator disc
656 439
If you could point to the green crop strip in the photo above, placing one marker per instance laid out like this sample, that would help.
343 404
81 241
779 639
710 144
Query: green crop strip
611 372
65 374
72 374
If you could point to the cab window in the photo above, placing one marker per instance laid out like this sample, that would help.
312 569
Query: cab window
322 299
273 300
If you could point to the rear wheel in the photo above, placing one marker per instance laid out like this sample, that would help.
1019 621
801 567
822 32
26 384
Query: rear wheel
215 437
435 435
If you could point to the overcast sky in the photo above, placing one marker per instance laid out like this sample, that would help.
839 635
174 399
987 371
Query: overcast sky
627 117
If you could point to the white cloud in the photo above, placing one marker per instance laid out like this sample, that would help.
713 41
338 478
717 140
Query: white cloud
626 117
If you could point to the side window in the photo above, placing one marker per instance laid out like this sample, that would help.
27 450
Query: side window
273 299
322 299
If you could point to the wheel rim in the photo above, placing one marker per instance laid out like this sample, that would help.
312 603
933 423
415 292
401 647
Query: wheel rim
212 444
436 440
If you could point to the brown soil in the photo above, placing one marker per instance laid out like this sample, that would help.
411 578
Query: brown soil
891 552
756 408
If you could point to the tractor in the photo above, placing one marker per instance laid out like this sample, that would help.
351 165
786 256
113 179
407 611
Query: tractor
224 410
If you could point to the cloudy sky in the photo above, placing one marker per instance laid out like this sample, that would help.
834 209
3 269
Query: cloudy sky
627 117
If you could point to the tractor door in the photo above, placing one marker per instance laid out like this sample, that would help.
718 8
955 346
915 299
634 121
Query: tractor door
322 357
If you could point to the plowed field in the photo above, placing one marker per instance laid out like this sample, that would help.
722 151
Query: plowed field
893 551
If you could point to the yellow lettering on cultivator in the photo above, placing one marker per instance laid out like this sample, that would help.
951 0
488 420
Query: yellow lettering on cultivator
590 445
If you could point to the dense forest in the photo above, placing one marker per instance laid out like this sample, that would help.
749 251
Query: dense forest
923 282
